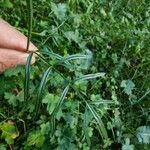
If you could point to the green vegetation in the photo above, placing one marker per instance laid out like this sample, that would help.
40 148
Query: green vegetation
90 86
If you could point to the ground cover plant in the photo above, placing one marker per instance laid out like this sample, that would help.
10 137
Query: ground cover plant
90 86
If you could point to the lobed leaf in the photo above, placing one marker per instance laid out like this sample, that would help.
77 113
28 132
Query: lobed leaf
143 134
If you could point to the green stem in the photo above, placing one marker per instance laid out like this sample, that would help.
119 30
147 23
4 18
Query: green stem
30 16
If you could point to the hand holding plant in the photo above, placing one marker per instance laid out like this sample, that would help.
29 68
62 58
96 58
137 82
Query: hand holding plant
12 47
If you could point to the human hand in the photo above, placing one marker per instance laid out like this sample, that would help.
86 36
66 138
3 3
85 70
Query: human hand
12 47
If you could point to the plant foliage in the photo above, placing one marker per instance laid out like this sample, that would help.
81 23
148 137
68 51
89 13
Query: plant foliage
89 88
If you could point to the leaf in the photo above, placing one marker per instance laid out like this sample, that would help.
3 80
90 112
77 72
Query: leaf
14 71
7 84
100 123
27 77
102 11
7 4
100 102
87 118
81 85
51 100
45 128
2 147
82 61
51 54
73 36
59 10
9 132
59 104
127 145
75 56
90 76
40 91
11 98
36 138
128 86
143 134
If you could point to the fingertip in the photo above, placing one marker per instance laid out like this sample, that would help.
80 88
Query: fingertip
25 57
32 48
11 58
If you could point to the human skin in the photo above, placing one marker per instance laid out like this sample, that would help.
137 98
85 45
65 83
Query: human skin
13 47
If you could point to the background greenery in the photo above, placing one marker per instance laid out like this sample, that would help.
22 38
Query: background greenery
108 112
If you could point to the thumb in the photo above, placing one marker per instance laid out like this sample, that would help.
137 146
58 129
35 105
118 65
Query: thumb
11 58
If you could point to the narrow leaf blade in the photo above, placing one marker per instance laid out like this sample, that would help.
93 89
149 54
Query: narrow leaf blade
27 76
100 123
60 103
41 88
90 76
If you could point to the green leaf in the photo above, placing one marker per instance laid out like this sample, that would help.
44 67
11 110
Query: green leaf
73 36
87 130
143 134
27 77
51 54
128 86
40 91
102 11
90 76
81 85
75 56
9 132
59 10
36 139
45 128
100 123
59 104
11 98
7 4
127 145
14 71
3 147
57 108
101 102
51 100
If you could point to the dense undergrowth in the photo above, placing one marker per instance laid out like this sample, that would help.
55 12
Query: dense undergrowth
66 109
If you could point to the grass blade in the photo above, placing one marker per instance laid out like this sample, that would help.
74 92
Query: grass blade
51 54
100 102
27 77
59 104
40 91
90 76
101 127
52 126
138 101
57 108
74 57
100 123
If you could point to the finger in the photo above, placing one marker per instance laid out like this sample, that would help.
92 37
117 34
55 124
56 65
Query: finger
12 39
11 58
